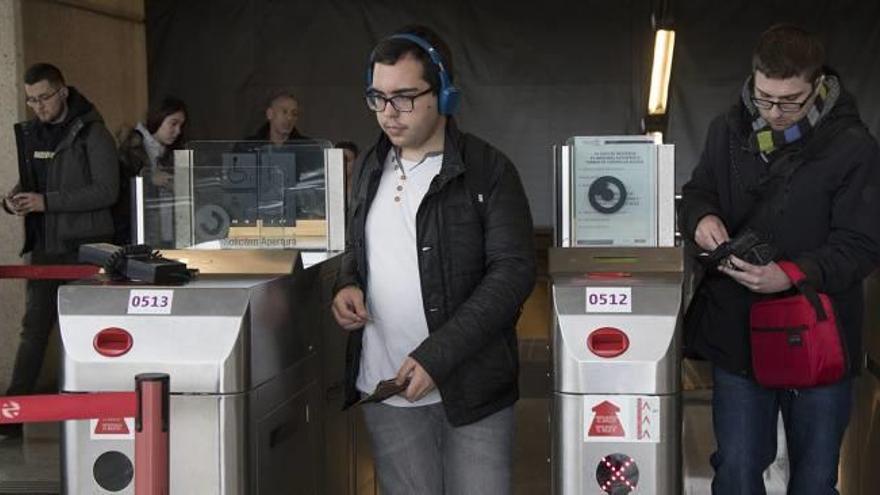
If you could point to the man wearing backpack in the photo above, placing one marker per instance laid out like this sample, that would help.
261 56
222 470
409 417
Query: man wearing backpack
69 180
440 259
793 161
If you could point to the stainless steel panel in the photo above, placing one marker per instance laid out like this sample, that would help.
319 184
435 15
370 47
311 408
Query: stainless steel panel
205 297
651 363
575 461
666 195
202 354
242 355
631 260
860 453
562 195
652 294
334 173
223 335
194 448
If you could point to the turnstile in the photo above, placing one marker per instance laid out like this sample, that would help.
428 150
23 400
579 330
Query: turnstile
241 353
616 295
860 452
616 382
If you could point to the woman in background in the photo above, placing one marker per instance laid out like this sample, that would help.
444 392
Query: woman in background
147 151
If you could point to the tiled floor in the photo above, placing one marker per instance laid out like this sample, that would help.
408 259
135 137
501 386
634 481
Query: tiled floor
31 466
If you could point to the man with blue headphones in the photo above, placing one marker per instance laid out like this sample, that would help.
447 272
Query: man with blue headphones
440 259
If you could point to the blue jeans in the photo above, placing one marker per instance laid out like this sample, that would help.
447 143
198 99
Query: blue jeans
744 416
417 451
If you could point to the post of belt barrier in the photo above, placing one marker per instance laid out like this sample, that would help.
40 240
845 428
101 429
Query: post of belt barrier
149 404
151 434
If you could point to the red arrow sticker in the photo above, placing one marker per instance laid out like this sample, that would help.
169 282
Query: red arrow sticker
605 421
621 418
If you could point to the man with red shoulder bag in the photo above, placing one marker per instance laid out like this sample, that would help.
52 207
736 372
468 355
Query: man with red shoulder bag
793 161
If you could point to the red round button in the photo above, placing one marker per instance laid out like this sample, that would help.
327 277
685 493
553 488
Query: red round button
608 342
112 342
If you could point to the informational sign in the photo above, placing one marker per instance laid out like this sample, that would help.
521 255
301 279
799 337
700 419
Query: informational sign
609 299
111 428
150 301
615 418
614 183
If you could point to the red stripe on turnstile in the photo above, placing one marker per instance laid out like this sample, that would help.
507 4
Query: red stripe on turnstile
46 408
48 272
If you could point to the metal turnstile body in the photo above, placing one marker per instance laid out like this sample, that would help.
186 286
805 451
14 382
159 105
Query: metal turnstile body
860 453
616 419
245 404
616 294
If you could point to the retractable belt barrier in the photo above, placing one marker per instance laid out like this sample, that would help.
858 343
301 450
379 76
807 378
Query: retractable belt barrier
148 404
48 272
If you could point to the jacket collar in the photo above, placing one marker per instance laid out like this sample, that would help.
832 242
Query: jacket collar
453 163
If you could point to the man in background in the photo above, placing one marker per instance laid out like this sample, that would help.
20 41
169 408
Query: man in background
68 183
282 115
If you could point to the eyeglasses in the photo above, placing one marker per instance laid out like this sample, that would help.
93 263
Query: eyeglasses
401 103
36 100
784 106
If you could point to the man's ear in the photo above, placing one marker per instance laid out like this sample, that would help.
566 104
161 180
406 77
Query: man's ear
270 113
64 92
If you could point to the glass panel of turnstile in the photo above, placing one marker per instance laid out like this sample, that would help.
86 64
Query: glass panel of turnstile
244 194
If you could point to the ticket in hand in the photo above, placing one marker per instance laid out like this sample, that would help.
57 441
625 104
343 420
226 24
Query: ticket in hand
384 390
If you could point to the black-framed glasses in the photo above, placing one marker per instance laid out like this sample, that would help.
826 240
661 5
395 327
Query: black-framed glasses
784 106
36 100
402 103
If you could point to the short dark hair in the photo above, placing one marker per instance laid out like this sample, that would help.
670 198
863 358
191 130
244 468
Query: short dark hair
284 93
43 72
160 111
348 145
787 50
390 50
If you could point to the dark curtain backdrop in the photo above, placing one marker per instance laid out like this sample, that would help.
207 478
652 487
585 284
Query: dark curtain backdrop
532 74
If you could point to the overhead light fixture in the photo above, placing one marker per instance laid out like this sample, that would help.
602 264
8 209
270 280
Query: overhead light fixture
664 44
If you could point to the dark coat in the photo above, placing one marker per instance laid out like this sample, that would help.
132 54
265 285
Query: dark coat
819 204
262 134
82 181
477 267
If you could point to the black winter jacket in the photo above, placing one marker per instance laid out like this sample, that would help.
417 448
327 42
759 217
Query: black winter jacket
477 267
819 204
82 182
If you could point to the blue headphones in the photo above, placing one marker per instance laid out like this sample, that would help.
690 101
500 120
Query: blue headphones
448 96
